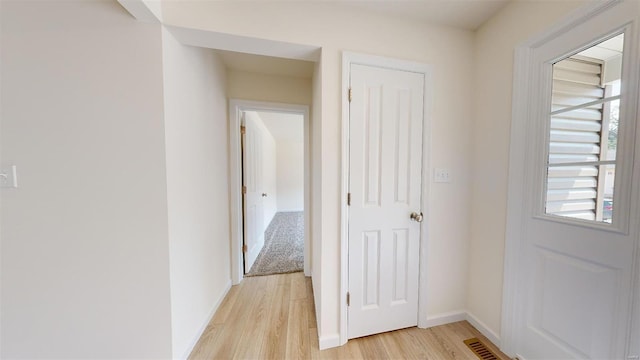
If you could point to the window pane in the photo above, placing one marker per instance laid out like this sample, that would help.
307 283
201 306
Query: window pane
612 118
583 132
609 172
572 191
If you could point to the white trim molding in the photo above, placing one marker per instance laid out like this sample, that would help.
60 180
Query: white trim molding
141 10
204 325
484 329
236 107
329 341
349 58
445 318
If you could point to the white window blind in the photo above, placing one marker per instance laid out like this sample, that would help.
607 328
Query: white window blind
575 138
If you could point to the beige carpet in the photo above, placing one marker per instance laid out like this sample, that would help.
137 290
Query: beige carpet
283 250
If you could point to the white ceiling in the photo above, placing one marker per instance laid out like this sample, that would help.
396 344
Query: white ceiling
606 50
283 126
462 14
266 64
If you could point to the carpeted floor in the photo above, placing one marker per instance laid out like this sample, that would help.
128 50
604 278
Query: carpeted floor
283 246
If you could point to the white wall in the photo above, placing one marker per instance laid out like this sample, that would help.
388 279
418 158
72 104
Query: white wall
197 187
85 253
290 175
315 196
448 50
495 42
271 88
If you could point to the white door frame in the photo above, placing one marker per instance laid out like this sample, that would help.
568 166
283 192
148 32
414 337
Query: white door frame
236 107
517 181
349 58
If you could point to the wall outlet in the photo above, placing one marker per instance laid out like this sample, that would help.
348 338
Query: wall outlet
441 175
8 177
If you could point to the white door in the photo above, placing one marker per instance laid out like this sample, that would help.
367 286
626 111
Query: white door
386 115
575 291
252 188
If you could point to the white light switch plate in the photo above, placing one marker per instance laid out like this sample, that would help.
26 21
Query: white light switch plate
8 177
441 175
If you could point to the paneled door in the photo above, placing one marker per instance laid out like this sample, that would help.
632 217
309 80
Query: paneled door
385 178
575 273
252 189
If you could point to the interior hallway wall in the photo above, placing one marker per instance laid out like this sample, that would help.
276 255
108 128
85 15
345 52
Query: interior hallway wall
245 85
197 156
495 43
336 28
290 175
85 252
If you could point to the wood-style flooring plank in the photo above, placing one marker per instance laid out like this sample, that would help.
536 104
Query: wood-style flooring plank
273 317
252 338
207 343
275 342
239 318
311 307
298 334
298 286
225 307
372 347
402 344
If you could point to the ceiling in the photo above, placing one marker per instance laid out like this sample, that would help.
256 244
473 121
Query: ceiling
463 14
606 50
266 64
283 126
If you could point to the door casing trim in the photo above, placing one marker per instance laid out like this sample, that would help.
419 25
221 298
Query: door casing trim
236 107
349 58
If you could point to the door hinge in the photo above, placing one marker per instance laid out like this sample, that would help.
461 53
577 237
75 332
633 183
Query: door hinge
348 299
348 199
244 248
350 94
244 189
243 130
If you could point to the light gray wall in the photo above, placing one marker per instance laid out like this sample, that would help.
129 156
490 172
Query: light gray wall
290 175
196 131
84 238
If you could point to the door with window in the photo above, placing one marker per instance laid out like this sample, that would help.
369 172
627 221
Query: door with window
580 223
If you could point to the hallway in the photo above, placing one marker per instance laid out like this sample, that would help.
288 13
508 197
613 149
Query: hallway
272 317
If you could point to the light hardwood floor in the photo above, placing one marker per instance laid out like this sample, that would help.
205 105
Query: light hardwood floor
273 317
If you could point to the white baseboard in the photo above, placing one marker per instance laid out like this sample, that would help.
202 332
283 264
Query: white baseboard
290 210
436 320
445 318
484 329
456 316
207 321
329 341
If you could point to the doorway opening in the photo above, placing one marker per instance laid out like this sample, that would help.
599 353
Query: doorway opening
273 174
269 188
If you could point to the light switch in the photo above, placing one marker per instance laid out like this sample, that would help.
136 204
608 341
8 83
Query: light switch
441 175
8 177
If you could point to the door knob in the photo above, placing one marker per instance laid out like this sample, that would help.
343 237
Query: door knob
264 194
416 217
